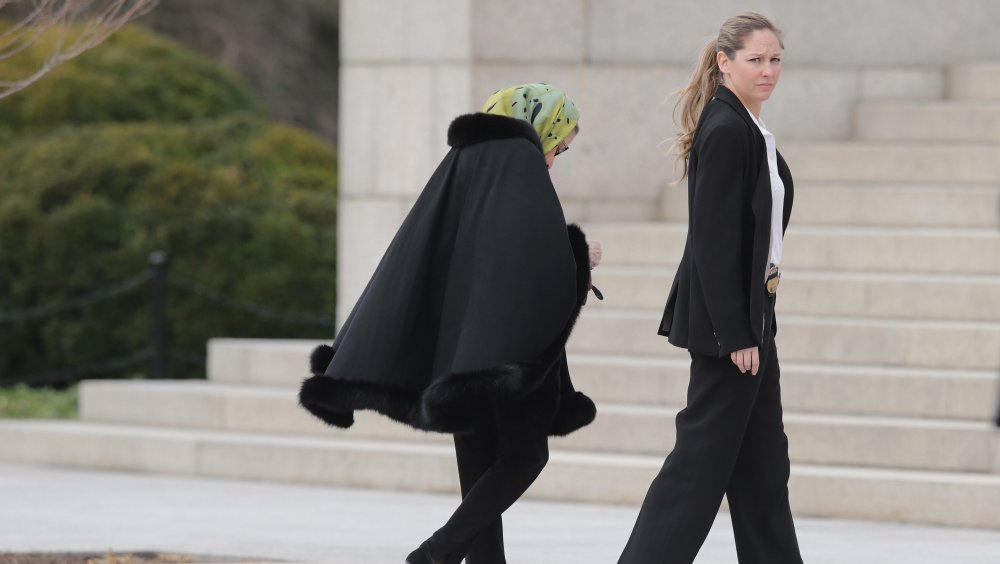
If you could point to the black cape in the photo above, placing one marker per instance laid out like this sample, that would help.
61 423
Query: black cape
472 302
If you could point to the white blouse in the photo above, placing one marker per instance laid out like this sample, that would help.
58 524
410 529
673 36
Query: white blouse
777 192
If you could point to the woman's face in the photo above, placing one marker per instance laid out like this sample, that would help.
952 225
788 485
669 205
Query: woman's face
753 72
550 157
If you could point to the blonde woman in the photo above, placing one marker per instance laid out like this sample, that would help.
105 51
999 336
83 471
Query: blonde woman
730 437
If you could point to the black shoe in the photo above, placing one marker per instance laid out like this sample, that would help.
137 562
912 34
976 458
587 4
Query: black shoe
422 555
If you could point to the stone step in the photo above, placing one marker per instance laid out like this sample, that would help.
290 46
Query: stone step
877 295
857 249
973 81
261 362
826 340
805 388
945 498
896 205
624 429
877 204
809 388
813 439
871 161
905 120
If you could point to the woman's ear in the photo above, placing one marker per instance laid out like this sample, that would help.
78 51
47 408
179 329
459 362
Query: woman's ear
550 158
722 61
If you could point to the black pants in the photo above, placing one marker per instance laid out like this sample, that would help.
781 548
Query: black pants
730 441
496 464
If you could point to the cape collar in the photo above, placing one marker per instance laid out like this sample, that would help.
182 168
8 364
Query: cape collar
470 129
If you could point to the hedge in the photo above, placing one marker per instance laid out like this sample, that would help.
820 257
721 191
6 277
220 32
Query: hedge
159 153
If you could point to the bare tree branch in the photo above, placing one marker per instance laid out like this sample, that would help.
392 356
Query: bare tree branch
62 29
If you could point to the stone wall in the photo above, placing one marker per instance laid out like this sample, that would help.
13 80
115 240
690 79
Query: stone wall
409 66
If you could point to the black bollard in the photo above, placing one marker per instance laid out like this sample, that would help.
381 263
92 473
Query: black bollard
157 322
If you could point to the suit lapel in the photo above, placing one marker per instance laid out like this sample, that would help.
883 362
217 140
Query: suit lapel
786 179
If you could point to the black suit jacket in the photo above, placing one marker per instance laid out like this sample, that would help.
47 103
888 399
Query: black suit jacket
718 302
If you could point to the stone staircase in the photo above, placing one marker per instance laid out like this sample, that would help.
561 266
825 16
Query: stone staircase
889 335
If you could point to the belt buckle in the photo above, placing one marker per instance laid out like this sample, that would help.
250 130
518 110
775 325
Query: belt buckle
773 278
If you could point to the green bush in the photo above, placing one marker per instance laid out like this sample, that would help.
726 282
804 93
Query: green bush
242 206
132 76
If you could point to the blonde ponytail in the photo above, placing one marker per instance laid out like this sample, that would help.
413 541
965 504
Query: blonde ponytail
691 100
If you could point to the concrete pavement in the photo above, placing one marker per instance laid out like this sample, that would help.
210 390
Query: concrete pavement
53 509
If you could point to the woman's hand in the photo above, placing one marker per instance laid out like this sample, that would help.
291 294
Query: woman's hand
747 360
595 252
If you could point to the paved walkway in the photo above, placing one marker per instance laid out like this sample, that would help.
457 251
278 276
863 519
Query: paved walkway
49 509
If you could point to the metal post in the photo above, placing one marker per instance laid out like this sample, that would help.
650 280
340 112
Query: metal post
157 322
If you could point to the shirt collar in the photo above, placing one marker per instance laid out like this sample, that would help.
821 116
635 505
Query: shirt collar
756 120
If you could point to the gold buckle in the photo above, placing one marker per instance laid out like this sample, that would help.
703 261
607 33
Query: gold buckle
773 277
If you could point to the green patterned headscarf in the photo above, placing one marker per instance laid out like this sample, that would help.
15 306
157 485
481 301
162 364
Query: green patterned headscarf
545 107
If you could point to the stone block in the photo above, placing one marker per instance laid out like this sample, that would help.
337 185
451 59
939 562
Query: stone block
640 244
857 32
452 96
674 196
893 204
595 478
439 30
373 30
902 83
844 341
974 122
806 388
609 379
955 345
893 162
810 104
347 463
656 31
890 296
864 295
888 33
888 443
158 404
935 498
358 156
944 498
394 124
526 31
822 248
89 445
974 81
887 391
245 408
266 362
893 250
583 209
395 30
996 451
364 231
407 148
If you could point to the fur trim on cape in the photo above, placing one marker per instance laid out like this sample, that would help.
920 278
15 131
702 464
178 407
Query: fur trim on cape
470 129
581 252
576 410
443 406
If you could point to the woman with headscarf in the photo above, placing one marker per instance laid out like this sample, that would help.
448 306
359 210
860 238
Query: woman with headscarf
463 326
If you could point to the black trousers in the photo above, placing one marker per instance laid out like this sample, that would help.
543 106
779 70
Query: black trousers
730 441
496 464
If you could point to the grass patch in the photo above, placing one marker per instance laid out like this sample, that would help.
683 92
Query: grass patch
23 402
112 558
